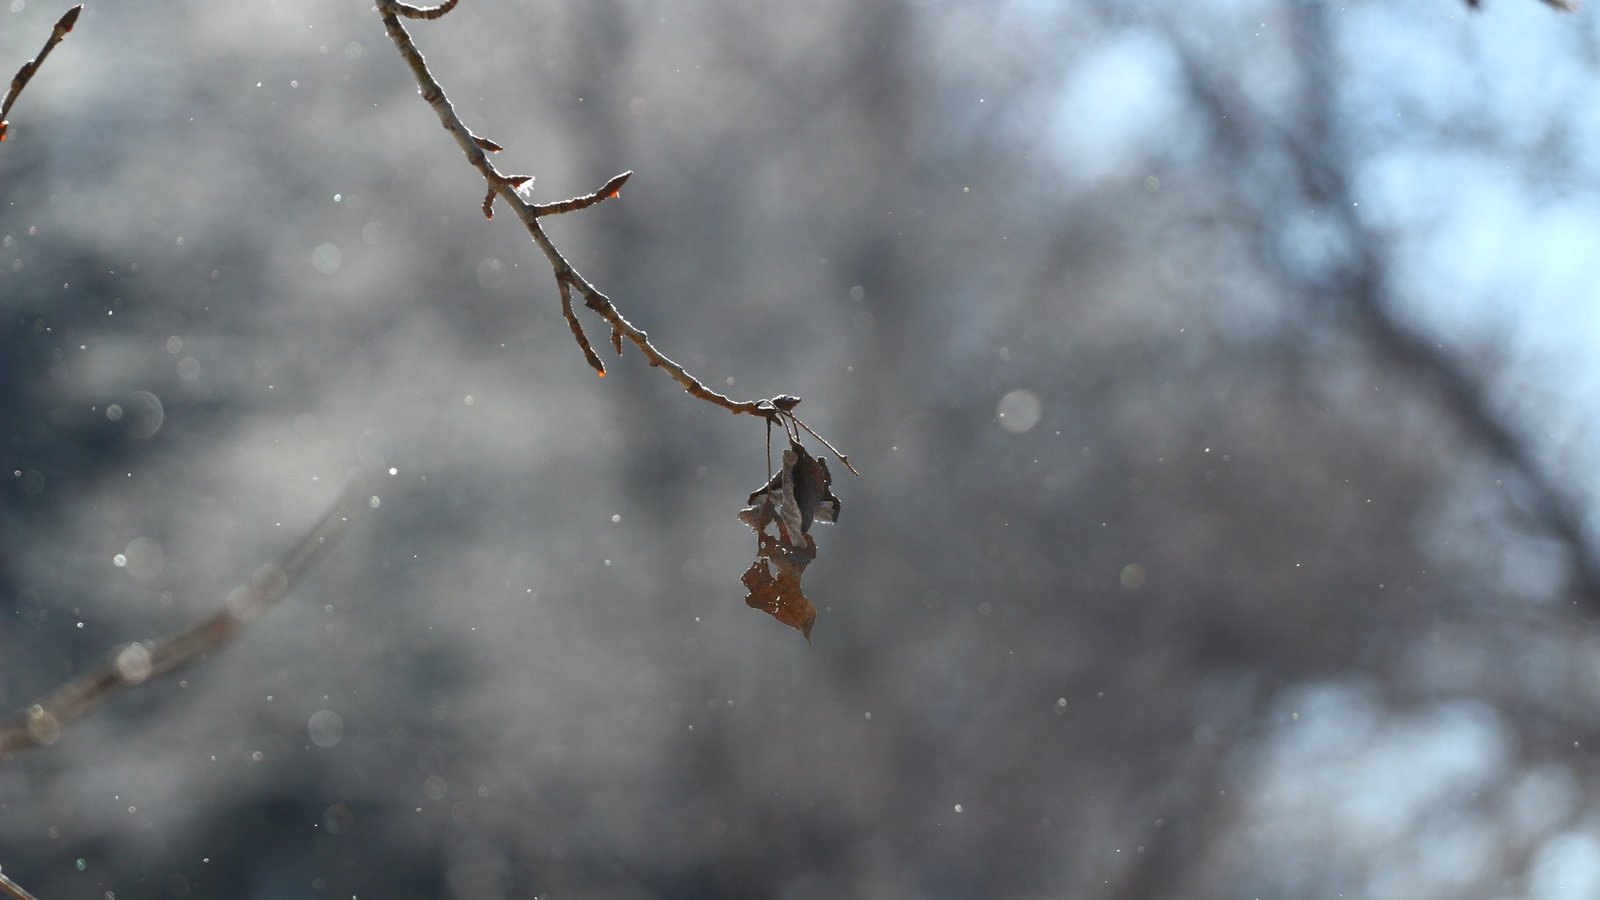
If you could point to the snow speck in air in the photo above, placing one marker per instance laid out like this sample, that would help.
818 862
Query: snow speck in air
1019 411
491 273
143 558
327 259
1133 576
325 728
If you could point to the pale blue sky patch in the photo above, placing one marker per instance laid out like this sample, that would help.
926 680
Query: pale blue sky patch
1120 103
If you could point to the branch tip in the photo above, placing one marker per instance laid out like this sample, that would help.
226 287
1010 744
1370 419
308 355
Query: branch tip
29 68
608 191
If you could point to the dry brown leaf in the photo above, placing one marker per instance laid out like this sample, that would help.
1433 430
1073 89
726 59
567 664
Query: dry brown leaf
781 513
773 582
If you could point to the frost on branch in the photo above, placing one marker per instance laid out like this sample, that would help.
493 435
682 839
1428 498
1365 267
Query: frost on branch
781 514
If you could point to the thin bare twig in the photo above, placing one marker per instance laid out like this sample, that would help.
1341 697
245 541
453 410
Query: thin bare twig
136 663
610 189
577 329
26 73
831 448
501 187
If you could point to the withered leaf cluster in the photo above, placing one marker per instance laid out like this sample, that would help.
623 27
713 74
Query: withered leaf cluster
781 513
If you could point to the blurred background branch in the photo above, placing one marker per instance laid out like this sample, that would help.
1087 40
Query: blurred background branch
1362 282
135 663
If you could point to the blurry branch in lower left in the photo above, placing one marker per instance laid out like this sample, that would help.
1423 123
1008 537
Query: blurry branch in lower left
136 663
26 73
14 890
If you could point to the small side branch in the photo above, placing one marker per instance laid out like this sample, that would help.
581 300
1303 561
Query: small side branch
622 328
29 68
831 448
577 329
609 190
136 663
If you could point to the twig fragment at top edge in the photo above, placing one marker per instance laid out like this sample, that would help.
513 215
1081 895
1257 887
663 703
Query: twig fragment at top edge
26 73
407 11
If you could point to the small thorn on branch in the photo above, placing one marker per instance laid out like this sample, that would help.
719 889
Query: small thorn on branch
608 191
486 145
511 181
